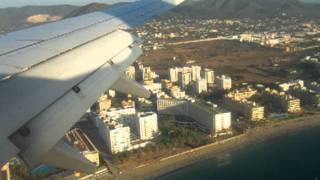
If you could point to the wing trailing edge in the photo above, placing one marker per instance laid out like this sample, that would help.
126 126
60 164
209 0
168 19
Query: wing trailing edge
129 86
64 156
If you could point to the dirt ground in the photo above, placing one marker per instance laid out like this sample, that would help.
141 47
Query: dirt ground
245 62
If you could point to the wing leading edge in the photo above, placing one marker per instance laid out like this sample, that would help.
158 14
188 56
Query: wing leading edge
49 81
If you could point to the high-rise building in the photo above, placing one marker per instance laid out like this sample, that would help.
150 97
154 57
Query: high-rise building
145 74
224 82
200 86
196 72
173 73
208 117
184 78
117 138
131 72
147 125
222 121
208 75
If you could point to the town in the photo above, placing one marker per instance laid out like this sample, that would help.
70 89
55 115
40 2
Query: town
193 105
287 33
193 99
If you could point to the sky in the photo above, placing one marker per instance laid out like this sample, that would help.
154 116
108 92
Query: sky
19 3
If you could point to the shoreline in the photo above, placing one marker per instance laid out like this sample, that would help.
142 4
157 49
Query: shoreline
253 136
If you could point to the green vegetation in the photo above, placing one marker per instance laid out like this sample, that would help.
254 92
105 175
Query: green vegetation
174 136
310 70
173 139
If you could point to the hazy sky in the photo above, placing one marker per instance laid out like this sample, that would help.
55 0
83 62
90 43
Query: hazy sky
18 3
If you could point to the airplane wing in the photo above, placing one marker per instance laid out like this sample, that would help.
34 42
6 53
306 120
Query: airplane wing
52 73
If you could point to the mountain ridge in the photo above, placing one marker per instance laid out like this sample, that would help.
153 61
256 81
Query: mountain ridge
247 8
15 18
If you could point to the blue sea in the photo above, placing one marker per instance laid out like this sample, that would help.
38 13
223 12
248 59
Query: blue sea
291 157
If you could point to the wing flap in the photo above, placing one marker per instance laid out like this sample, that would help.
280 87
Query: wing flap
64 156
7 151
129 86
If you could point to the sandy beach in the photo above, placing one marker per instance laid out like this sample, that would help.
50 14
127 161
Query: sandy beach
251 137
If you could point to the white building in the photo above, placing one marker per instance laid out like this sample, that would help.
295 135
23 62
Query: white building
291 84
224 82
112 93
118 138
131 72
173 73
196 72
222 121
184 78
115 135
116 113
207 115
121 115
200 86
147 125
208 75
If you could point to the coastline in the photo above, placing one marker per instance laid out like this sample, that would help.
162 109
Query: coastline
251 137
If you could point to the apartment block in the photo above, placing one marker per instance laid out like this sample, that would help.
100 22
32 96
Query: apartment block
207 116
116 136
184 78
248 109
224 82
196 73
131 72
173 74
200 86
208 75
147 125
282 100
238 102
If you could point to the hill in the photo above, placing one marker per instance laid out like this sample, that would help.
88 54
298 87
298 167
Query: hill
247 8
87 9
12 19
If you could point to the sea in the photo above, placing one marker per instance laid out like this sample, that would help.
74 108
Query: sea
294 156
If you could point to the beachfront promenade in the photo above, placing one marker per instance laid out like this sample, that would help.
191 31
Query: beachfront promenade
250 137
